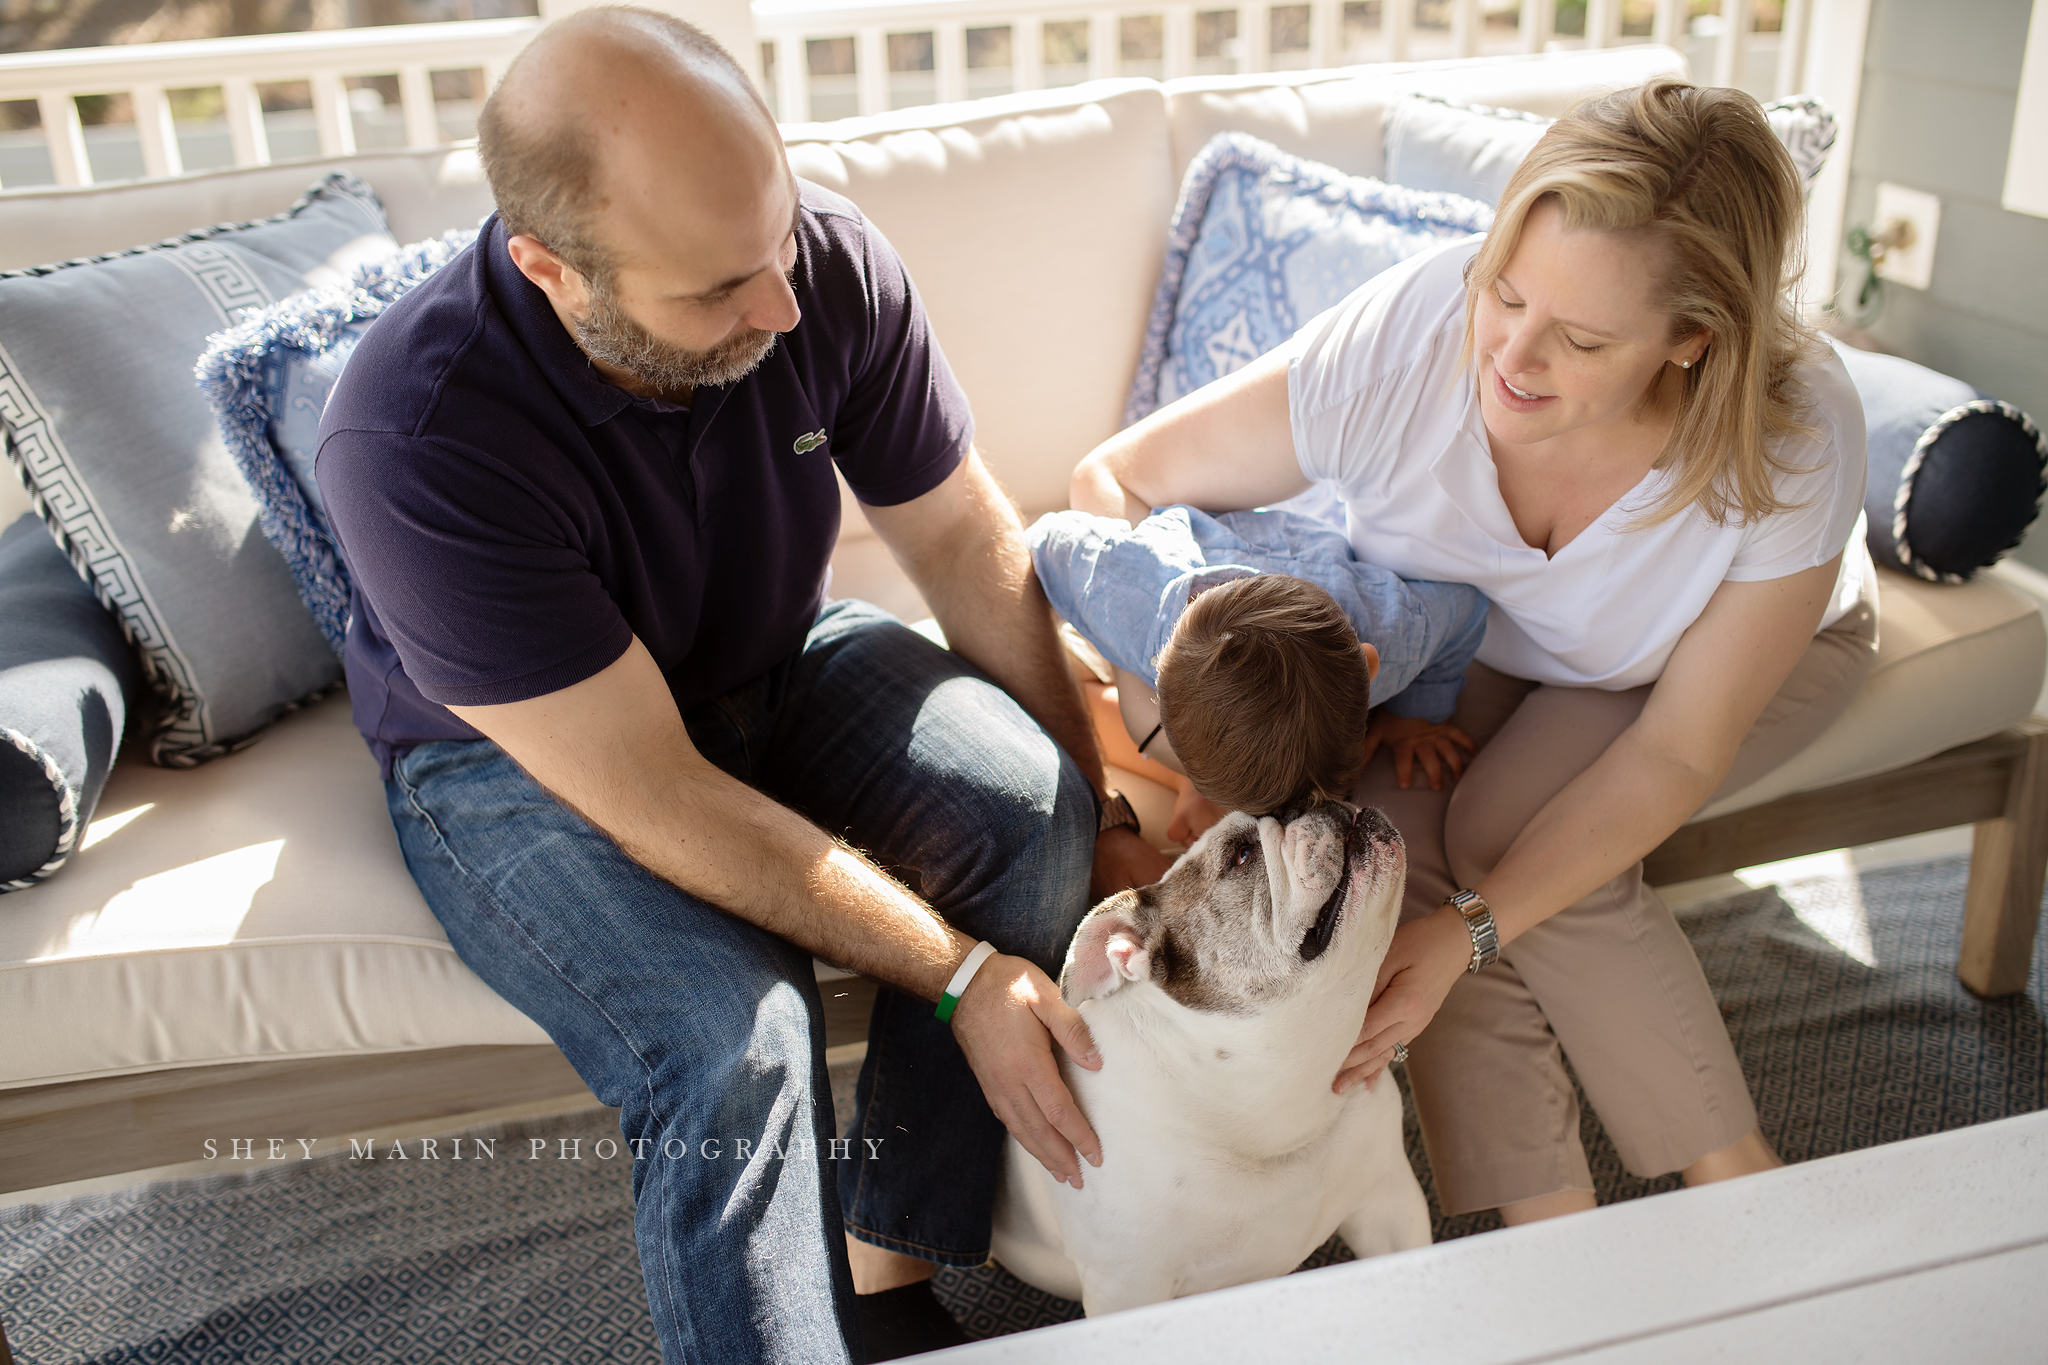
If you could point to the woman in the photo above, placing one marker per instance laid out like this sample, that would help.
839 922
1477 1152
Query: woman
1607 417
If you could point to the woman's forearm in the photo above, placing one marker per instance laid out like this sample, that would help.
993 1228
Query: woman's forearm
1662 768
1095 488
1226 446
1605 820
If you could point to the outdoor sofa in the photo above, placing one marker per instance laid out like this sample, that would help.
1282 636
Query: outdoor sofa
238 950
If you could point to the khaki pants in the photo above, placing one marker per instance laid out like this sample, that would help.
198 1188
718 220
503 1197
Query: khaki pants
1610 981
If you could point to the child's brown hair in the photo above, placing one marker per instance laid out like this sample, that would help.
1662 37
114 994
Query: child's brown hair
1263 692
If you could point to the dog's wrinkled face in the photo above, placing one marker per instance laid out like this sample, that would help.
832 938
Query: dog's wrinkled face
1257 908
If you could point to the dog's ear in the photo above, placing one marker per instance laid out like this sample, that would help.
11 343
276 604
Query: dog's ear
1113 946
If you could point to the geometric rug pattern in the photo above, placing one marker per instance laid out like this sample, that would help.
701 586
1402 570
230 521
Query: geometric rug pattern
1839 992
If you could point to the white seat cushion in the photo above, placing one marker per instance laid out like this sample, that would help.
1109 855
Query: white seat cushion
1955 663
256 908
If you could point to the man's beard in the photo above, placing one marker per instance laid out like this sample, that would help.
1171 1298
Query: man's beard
607 335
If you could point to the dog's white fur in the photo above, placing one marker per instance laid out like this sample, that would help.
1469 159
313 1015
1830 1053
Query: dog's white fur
1225 1155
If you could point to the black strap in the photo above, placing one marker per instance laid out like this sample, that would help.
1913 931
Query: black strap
1154 735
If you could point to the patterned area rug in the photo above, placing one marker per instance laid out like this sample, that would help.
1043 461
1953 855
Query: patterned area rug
1840 993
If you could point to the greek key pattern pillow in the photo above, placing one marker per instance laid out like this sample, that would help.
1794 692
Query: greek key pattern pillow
123 459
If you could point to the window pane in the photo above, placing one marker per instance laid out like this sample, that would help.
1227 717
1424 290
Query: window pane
375 109
768 86
1142 45
1361 30
24 156
834 92
910 52
113 146
288 119
1065 52
458 98
829 56
989 63
1216 42
912 77
1500 22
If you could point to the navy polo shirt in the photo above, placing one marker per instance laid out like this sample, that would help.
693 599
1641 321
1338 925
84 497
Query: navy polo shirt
511 519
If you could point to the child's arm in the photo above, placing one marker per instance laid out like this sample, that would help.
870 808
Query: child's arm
1435 743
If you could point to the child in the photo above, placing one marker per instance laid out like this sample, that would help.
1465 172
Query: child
1249 627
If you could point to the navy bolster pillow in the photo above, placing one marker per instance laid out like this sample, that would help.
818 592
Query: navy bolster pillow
66 677
1956 477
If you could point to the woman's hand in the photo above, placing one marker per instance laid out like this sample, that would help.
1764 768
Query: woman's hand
1435 744
1193 813
1426 959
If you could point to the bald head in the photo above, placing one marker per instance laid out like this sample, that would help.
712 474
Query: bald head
621 133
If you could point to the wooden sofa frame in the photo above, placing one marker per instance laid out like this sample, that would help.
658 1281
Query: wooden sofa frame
78 1129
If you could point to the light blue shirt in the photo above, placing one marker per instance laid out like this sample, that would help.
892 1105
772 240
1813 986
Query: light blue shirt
1124 588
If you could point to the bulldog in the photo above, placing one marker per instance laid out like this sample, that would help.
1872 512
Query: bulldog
1223 1000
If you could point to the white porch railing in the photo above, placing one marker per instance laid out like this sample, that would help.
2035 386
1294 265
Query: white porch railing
824 59
148 73
816 59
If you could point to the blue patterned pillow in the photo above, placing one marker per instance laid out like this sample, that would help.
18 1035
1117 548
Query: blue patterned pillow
1262 241
267 380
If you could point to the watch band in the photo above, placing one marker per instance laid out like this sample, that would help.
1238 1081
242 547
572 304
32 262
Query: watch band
1117 814
957 987
1478 917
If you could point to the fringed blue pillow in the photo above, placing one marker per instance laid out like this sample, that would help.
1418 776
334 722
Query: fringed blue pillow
267 380
1262 241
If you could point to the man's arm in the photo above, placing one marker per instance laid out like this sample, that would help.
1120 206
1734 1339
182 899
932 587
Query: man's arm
963 546
613 748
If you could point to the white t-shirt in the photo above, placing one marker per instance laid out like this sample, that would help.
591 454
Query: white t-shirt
1381 408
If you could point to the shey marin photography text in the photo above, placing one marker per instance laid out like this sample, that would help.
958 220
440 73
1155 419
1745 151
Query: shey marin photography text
542 1149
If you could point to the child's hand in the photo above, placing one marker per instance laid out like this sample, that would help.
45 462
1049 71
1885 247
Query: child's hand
1409 739
1193 813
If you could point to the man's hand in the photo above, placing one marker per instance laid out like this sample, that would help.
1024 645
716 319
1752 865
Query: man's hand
1435 744
1124 860
1427 958
1002 1024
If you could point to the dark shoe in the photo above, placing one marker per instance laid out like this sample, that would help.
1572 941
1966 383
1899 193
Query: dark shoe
906 1321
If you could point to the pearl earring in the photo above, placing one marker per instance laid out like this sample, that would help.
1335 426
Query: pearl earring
1685 364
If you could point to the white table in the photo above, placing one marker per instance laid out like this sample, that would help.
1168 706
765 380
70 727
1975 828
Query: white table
1922 1251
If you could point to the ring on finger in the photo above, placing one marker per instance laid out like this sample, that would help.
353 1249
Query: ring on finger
1400 1053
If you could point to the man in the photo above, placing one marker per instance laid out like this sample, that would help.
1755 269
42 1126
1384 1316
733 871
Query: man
582 479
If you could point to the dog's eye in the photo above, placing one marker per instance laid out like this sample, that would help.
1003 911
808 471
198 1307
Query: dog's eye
1244 854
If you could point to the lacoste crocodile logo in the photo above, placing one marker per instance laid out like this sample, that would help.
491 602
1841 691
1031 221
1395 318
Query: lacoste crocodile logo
809 442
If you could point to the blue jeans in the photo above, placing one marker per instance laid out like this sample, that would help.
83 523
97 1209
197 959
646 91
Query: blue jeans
707 1033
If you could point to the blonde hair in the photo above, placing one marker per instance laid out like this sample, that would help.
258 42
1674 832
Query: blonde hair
1697 173
1263 693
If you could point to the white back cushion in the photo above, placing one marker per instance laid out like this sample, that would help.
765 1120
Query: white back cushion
424 194
1333 116
1034 226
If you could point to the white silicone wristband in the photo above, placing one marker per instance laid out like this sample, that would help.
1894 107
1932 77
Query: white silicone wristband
957 987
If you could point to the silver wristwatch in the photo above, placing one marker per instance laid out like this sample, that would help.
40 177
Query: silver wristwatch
1478 918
